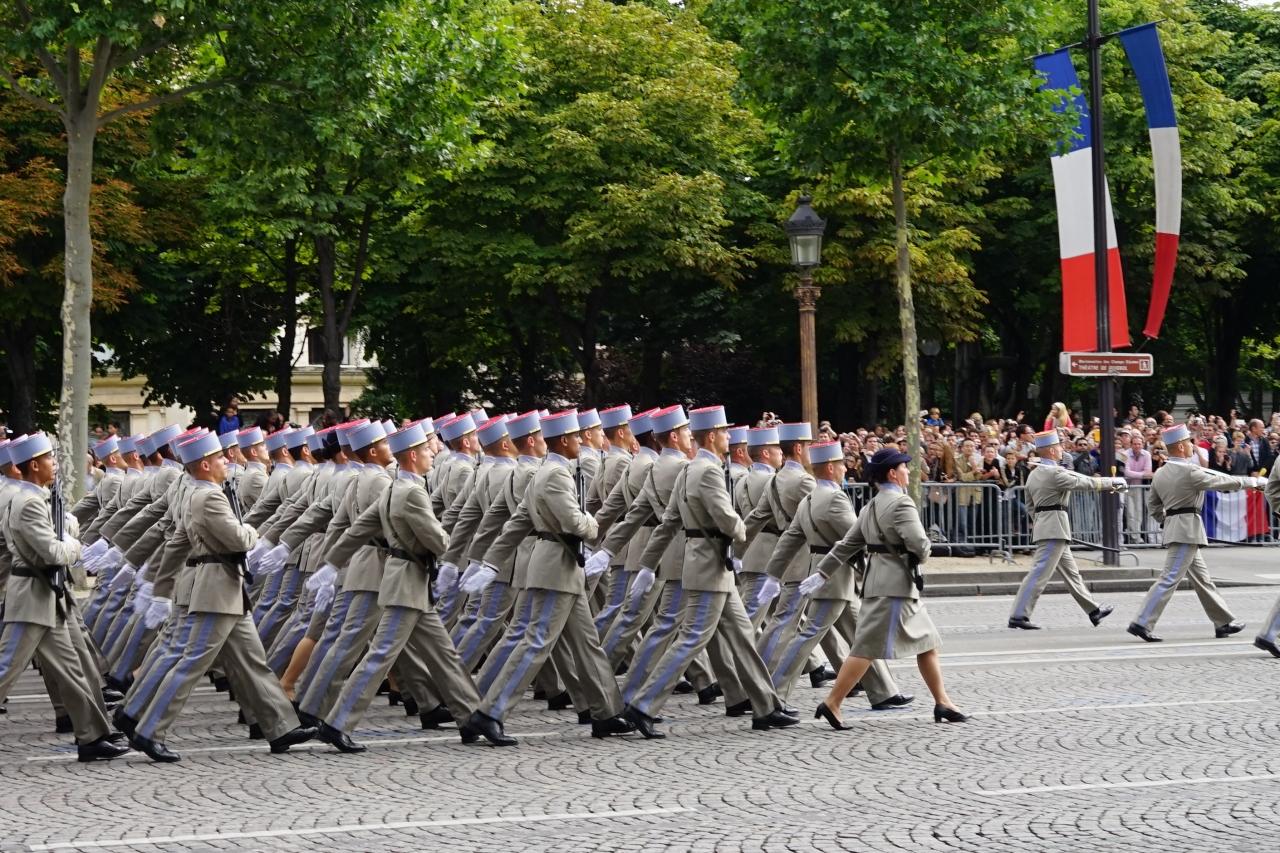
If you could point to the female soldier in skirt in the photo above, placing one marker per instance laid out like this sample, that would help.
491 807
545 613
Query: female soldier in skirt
893 622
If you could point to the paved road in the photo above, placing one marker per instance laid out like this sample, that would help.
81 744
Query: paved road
1082 739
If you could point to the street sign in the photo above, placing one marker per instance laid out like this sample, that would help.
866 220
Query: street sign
1106 363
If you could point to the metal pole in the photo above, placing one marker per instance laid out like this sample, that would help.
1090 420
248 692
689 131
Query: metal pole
1106 386
807 297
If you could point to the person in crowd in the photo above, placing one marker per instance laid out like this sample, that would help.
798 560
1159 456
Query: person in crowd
1058 417
229 421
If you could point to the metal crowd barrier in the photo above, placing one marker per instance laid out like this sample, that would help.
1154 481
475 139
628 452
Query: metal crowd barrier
966 519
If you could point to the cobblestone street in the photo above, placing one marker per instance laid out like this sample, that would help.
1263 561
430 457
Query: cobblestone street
1082 739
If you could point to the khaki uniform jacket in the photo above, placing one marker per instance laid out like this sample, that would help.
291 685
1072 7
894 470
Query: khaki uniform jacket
774 511
823 518
462 472
612 466
351 547
8 488
700 501
648 509
32 544
590 462
1051 484
619 500
272 496
479 474
409 525
170 576
149 489
250 485
211 528
87 508
1181 485
511 561
1273 488
164 576
309 491
551 505
891 518
748 491
489 482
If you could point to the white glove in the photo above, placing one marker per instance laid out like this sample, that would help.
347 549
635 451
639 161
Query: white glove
1259 482
472 568
446 580
97 549
114 557
324 597
123 578
643 580
481 578
142 598
737 565
326 575
141 577
156 614
256 552
812 584
273 561
1119 484
768 590
598 563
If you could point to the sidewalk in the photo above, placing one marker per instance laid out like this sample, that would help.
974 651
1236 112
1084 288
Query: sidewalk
1230 567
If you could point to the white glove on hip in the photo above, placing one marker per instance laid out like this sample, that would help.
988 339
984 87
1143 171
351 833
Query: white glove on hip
481 578
768 590
326 576
598 563
158 612
274 560
446 580
812 584
643 580
472 568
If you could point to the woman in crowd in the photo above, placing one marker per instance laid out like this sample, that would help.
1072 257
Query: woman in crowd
1058 417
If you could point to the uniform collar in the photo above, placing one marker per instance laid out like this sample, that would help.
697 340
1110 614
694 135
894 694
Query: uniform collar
558 459
502 460
1184 460
828 484
169 463
304 465
618 450
410 476
132 472
891 487
254 465
1045 460
793 465
671 451
531 460
760 466
648 451
30 487
203 484
371 466
703 453
113 472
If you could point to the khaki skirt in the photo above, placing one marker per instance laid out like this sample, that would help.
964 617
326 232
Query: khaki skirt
891 627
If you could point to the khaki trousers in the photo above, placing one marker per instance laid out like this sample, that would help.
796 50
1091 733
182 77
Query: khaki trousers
1183 560
1050 555
62 666
826 618
555 617
782 625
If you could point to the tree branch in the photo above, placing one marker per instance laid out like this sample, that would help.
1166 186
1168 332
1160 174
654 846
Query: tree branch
168 97
46 58
30 96
74 103
98 76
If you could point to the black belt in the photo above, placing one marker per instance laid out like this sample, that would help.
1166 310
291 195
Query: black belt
54 576
232 559
571 543
427 560
698 533
884 549
38 573
819 549
913 562
1052 508
772 529
652 522
1186 510
379 542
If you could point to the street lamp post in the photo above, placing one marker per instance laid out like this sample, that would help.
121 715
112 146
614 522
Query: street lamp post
804 231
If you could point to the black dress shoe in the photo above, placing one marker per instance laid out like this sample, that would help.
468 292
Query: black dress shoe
584 718
489 729
118 685
898 700
436 717
63 725
1100 613
336 739
4 707
305 718
157 752
468 734
110 696
301 734
411 708
775 719
643 723
384 688
1023 622
789 711
821 676
220 683
102 749
943 714
739 710
539 695
118 737
1235 626
394 698
124 722
618 725
255 732
1267 646
240 720
560 701
708 695
825 713
683 686
1139 631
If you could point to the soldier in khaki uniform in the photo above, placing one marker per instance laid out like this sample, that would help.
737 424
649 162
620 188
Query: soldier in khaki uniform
221 628
108 453
1048 489
701 508
748 492
1267 640
822 519
1175 499
40 617
739 455
893 622
414 539
552 510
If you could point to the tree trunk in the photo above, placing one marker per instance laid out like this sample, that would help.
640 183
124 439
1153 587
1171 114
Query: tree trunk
590 364
907 319
331 378
650 371
289 317
1224 376
19 344
77 299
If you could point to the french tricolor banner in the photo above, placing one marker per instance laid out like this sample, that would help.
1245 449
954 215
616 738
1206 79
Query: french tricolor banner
1142 44
1073 189
1235 516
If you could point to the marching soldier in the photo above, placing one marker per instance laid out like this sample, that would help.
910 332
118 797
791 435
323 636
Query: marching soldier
39 614
748 492
822 519
739 455
1271 628
1048 489
221 628
702 509
1176 496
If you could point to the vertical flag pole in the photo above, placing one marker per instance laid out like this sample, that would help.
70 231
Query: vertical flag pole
1106 386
